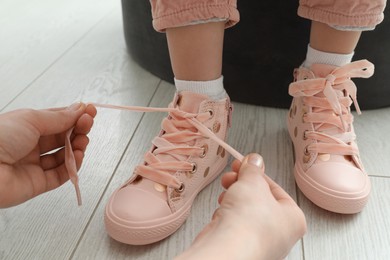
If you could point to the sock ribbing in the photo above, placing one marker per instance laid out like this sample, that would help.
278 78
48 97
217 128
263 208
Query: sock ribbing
212 88
314 56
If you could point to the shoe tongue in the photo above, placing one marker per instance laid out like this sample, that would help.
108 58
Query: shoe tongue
322 70
189 101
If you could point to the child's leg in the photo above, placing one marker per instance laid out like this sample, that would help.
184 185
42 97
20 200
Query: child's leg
328 168
156 201
328 39
195 30
196 51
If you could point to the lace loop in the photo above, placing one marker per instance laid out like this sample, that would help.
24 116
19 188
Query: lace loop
179 129
330 98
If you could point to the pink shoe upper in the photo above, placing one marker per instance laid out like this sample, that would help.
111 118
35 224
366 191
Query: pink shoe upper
168 159
180 161
320 125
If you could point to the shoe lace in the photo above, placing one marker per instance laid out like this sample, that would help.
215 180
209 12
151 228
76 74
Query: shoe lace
330 99
180 130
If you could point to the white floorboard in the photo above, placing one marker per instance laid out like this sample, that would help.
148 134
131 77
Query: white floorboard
372 130
36 33
358 237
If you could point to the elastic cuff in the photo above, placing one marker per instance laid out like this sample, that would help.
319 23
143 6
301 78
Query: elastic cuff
197 13
212 20
212 88
362 22
352 28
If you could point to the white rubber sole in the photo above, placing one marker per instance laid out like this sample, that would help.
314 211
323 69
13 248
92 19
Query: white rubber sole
331 200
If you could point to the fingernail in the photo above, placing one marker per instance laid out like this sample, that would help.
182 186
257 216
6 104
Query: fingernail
255 160
75 106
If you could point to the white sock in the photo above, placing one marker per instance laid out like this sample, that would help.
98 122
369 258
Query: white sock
314 56
212 88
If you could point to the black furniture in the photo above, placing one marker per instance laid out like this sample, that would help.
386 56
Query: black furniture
261 52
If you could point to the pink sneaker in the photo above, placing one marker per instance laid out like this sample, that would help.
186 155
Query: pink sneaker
157 199
328 169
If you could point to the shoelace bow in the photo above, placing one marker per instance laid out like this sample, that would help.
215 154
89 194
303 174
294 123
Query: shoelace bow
332 109
180 128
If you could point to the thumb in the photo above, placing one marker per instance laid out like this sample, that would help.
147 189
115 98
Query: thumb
252 168
54 121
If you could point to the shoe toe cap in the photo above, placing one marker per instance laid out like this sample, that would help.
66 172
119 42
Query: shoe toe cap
339 177
134 204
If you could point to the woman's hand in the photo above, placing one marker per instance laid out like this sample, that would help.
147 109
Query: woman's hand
32 149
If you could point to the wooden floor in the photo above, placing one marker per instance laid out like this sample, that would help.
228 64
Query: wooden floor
54 53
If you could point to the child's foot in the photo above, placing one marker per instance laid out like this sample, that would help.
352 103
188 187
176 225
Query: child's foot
157 199
256 219
328 169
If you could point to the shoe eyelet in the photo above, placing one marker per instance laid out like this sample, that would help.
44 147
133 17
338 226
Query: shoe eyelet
205 148
304 135
194 168
306 151
303 117
211 112
181 188
306 155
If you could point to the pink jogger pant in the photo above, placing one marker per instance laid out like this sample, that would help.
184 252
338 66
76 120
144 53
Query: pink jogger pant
365 14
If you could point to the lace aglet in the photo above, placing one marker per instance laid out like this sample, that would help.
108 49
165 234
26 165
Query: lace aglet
75 183
206 132
359 112
78 194
70 164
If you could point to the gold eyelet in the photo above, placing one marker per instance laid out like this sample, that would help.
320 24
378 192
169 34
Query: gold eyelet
205 148
306 151
211 112
304 135
194 168
303 116
181 188
306 155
